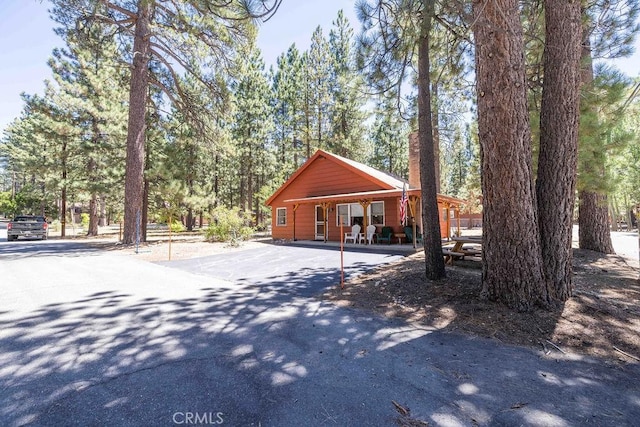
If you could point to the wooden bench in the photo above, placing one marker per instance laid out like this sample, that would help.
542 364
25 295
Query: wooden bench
449 255
471 252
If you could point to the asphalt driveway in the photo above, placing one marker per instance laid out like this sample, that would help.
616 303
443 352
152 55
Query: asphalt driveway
291 270
88 338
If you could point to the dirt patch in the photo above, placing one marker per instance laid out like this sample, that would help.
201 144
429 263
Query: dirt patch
182 246
602 318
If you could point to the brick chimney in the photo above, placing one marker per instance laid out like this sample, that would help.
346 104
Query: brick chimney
414 160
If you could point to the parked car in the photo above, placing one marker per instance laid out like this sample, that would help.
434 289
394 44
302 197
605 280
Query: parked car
27 226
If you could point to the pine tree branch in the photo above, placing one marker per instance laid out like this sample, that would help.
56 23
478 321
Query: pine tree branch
126 12
174 76
164 89
192 71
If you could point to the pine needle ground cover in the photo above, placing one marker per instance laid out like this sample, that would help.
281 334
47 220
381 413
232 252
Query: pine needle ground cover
601 319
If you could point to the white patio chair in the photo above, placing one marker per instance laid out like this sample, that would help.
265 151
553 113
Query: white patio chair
354 235
371 232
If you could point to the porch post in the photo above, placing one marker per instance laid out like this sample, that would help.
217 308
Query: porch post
365 204
447 206
412 210
325 208
295 208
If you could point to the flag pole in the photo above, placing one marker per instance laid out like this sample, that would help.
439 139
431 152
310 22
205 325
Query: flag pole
341 253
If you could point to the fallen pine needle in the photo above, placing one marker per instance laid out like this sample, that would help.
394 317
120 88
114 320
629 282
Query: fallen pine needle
518 405
403 410
558 348
626 354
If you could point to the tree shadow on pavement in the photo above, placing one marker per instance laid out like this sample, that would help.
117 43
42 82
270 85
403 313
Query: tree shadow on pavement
272 353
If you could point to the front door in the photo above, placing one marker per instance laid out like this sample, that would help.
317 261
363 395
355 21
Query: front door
319 222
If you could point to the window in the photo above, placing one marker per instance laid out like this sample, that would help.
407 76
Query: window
353 213
356 213
343 215
281 216
376 213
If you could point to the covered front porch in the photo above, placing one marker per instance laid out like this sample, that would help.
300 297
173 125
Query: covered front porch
333 215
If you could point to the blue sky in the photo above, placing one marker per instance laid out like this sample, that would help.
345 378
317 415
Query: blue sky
27 39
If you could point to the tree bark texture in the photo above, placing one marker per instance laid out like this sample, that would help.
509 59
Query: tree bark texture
593 223
93 216
512 258
593 210
435 120
63 210
134 185
63 203
102 222
145 211
92 167
558 158
434 261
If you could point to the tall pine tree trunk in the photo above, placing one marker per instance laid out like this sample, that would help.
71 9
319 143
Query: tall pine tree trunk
512 259
435 120
92 168
434 261
93 216
102 221
63 204
63 210
593 209
559 124
593 222
144 217
134 184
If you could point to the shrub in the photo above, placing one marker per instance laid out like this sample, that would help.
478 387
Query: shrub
56 225
228 225
84 220
176 226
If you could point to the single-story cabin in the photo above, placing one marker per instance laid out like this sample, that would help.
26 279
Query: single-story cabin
328 189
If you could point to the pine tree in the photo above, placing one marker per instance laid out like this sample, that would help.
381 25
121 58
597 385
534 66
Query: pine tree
394 33
512 259
92 88
79 122
159 30
318 67
456 162
288 84
608 32
24 153
624 163
389 136
600 137
346 106
559 123
252 127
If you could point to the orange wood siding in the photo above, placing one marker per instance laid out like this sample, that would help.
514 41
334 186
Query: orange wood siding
305 221
325 177
322 177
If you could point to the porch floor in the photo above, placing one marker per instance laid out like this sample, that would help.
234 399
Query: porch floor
394 248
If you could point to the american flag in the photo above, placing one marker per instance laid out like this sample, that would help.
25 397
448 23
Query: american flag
403 205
